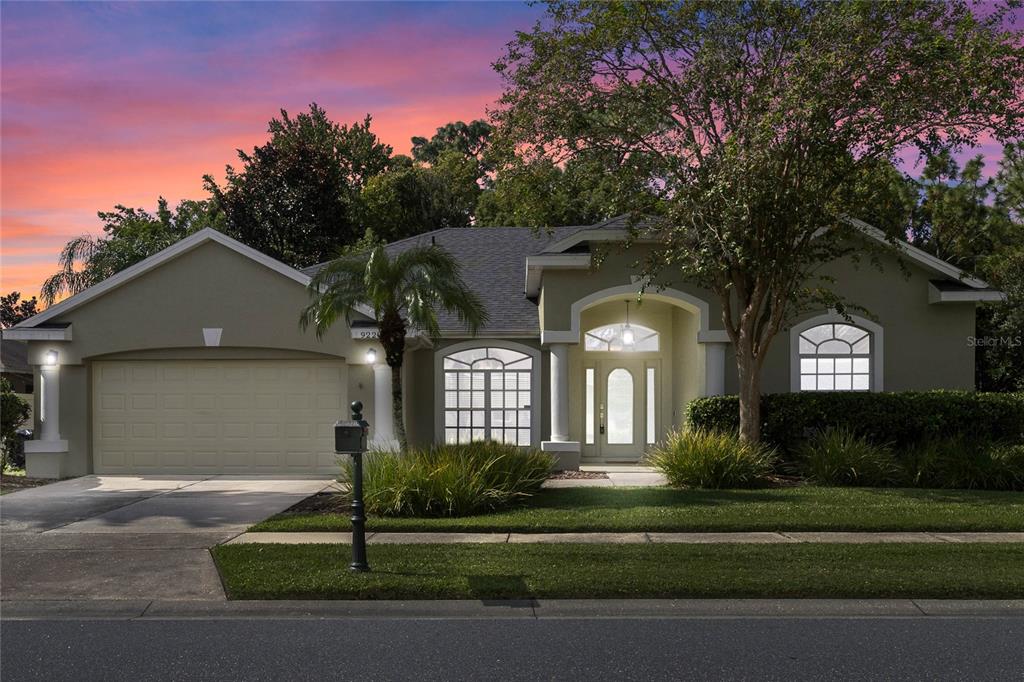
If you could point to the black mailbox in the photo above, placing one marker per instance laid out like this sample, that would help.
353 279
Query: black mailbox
349 437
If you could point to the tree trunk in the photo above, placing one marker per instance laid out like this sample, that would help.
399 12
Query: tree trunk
396 405
749 375
392 338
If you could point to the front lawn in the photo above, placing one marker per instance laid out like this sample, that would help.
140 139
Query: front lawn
805 508
254 571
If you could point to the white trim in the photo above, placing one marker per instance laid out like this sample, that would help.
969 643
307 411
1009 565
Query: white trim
877 347
211 335
38 334
535 377
673 296
171 252
923 258
936 295
535 266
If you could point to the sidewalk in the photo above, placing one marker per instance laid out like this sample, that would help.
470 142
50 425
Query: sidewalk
626 538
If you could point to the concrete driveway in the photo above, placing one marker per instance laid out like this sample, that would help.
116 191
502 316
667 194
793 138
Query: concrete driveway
131 537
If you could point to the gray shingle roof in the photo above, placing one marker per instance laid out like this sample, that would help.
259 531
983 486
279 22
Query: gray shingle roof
494 265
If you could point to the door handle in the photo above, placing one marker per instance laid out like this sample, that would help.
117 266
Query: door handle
601 420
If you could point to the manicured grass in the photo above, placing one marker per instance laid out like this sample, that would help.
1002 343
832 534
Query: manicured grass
254 571
662 509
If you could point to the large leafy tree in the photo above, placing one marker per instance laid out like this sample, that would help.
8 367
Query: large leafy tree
14 309
753 123
412 198
404 290
295 197
129 236
468 139
543 193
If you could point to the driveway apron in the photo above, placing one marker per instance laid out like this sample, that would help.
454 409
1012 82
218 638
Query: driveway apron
131 537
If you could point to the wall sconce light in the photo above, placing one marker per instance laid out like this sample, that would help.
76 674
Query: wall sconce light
50 359
371 356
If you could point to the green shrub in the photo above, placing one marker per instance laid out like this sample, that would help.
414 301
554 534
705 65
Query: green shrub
900 419
838 456
450 480
699 458
963 463
13 412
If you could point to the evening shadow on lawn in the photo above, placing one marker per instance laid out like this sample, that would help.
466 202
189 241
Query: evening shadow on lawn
494 590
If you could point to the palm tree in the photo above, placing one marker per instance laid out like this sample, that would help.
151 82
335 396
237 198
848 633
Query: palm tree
405 291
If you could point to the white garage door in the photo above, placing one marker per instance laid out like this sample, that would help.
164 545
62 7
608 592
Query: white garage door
204 416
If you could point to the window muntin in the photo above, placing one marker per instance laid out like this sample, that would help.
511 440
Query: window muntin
835 357
487 396
615 337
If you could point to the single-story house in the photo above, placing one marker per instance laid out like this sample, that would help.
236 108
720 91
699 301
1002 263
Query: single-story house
192 361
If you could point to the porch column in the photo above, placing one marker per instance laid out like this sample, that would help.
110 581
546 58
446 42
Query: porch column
383 418
714 360
49 404
559 392
45 454
565 451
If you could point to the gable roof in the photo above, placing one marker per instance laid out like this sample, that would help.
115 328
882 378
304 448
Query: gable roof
617 228
170 253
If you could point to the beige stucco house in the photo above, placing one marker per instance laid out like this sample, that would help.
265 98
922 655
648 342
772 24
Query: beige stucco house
193 362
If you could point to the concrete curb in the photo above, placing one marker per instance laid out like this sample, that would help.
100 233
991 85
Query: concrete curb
628 538
512 609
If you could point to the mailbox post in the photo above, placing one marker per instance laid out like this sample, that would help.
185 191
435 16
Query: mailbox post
350 439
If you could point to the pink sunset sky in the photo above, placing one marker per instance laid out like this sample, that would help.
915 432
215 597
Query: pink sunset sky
120 103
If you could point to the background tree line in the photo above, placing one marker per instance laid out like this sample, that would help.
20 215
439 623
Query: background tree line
317 186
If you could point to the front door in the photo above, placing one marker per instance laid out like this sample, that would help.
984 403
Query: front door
620 405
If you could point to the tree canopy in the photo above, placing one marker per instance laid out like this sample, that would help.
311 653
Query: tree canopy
14 309
295 196
755 123
129 236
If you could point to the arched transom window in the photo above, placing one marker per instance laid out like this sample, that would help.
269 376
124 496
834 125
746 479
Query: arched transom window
487 396
835 357
622 337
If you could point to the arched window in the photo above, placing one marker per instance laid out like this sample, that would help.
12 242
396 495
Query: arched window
487 396
835 357
622 337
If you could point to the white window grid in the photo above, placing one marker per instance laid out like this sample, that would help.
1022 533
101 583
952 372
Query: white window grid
835 357
487 396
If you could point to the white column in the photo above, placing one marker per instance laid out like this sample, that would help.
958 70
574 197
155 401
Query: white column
559 392
49 404
714 361
45 454
383 417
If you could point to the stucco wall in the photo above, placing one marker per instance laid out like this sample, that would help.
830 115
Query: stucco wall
161 315
925 345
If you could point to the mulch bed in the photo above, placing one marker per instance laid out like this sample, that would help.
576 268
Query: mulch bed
9 484
577 474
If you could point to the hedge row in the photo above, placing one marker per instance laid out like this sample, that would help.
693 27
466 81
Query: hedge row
898 419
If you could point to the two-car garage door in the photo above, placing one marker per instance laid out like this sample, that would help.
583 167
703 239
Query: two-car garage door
216 416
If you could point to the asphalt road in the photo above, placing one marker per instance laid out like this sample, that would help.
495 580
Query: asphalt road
514 649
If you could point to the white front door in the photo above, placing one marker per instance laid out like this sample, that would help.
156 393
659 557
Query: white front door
620 408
